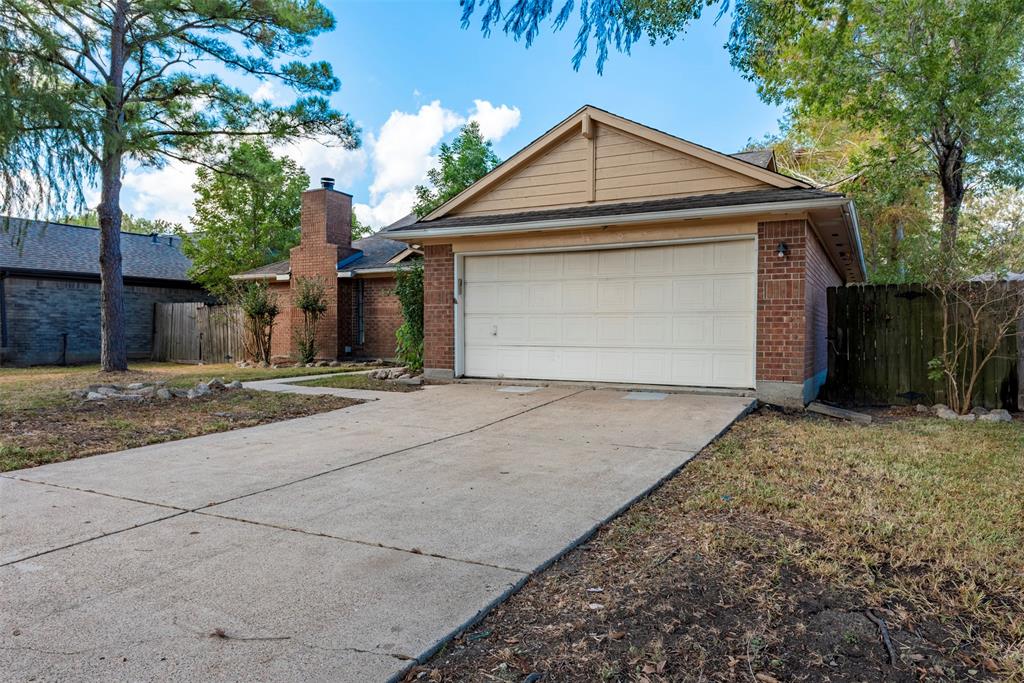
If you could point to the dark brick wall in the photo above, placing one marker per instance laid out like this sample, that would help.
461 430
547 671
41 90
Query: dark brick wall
382 316
39 311
781 312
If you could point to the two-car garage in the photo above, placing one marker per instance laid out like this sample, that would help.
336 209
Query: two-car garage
674 314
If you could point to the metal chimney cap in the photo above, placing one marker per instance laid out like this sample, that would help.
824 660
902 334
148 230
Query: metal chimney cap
327 183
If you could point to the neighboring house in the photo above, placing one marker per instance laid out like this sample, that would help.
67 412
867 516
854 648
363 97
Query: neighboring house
50 290
363 312
608 251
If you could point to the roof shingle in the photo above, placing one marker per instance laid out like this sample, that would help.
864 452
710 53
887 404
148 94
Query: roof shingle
74 249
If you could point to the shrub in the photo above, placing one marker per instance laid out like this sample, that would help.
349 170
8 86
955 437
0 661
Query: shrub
409 337
260 309
310 299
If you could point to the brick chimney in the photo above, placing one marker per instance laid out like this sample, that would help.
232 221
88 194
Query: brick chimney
326 238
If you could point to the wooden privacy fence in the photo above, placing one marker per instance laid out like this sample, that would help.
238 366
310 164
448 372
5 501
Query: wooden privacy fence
880 339
195 332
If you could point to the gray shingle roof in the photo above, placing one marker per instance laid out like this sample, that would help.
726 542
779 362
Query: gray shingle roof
625 208
61 248
376 252
758 157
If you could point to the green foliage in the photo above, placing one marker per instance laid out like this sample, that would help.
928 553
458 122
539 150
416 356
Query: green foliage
467 159
359 230
409 336
311 300
86 88
129 223
246 214
260 310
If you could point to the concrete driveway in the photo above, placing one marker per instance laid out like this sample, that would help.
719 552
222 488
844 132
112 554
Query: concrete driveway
335 547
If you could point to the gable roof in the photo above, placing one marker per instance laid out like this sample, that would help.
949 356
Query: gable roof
59 248
765 158
583 120
371 253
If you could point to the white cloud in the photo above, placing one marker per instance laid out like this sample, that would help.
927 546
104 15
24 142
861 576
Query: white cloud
161 192
403 152
346 166
495 122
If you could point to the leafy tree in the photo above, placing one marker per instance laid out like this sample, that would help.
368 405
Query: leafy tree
941 81
359 230
129 223
460 164
87 87
246 214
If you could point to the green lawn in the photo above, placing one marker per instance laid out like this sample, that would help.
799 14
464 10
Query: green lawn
360 381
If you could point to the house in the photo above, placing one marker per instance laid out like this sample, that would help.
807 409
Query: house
608 251
50 290
363 312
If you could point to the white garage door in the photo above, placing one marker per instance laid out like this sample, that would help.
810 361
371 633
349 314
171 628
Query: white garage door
680 314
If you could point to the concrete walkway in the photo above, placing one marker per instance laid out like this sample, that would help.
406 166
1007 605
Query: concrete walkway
335 547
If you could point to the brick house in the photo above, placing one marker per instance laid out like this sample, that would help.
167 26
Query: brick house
363 312
607 251
50 290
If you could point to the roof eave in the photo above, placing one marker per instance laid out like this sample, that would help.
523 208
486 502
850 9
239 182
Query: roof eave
619 219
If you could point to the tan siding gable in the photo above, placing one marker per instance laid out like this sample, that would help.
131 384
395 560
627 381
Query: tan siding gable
613 166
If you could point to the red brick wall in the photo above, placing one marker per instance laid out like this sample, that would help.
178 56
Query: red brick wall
281 341
781 305
438 307
382 316
820 276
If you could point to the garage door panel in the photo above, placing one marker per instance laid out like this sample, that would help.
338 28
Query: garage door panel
579 331
614 295
670 314
734 293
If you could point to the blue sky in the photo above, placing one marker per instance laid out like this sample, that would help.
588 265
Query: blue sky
411 76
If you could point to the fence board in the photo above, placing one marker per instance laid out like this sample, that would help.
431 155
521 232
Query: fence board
194 332
881 339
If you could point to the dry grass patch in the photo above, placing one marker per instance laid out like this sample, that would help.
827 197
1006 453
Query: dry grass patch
41 422
775 555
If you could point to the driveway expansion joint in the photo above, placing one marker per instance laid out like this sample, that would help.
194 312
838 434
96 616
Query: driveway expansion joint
369 544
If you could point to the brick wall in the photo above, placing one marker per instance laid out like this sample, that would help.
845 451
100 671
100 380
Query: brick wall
281 341
326 239
438 307
820 276
382 316
39 311
781 304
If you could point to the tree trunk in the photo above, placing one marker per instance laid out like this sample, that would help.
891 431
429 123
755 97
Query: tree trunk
951 177
113 342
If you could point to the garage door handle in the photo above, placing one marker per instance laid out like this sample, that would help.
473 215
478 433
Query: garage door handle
494 330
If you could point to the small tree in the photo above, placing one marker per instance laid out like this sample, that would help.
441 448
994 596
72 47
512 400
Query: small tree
310 299
409 336
259 307
981 306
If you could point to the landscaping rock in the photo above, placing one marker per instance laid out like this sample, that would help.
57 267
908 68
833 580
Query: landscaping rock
134 386
406 376
322 364
191 394
144 392
106 390
164 393
334 364
235 385
215 384
939 406
126 397
922 408
979 411
201 389
999 415
969 417
946 414
94 396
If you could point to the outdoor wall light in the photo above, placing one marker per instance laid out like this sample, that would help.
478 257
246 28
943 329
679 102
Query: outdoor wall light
782 249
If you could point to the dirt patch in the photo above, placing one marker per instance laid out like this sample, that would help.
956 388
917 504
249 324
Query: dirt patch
795 548
64 427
